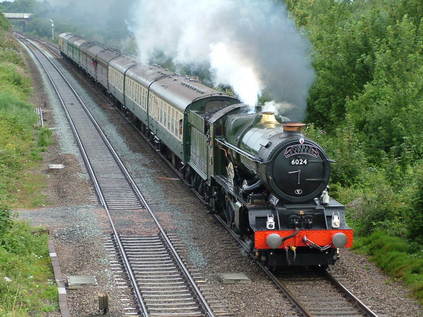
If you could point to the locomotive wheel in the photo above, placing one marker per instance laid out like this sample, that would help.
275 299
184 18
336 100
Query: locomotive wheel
216 201
204 190
229 212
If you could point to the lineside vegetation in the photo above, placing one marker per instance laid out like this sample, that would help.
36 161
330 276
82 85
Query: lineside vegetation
26 280
367 108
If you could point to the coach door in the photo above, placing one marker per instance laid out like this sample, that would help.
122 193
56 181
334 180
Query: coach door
198 144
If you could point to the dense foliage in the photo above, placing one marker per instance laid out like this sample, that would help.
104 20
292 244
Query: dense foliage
24 260
366 107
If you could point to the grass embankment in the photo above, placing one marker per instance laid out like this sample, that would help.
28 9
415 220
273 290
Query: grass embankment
396 257
26 280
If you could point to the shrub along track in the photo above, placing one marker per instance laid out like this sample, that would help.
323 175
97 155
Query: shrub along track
157 292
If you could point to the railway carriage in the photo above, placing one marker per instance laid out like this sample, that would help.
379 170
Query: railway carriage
103 59
91 60
64 43
138 81
85 58
257 169
174 108
117 72
74 44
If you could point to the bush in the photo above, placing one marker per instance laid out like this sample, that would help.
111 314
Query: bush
4 24
343 147
24 272
396 257
5 220
44 137
415 224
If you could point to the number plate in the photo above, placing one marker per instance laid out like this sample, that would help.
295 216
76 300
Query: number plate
299 162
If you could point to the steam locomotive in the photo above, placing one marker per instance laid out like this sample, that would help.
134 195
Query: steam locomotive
258 170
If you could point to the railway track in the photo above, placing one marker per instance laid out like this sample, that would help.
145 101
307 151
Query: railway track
161 282
315 293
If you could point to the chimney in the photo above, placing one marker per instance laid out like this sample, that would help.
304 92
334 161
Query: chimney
293 127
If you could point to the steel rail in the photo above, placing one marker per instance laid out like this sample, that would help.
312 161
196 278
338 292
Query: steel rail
294 301
354 299
197 292
97 187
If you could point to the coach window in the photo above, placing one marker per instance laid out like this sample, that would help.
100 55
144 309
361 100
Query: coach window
164 113
130 89
167 117
172 118
175 123
155 107
158 105
160 111
162 108
139 91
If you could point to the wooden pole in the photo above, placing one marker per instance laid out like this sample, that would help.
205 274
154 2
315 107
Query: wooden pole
103 303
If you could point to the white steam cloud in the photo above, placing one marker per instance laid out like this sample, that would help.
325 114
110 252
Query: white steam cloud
250 45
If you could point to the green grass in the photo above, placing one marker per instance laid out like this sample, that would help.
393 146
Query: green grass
397 257
26 281
21 142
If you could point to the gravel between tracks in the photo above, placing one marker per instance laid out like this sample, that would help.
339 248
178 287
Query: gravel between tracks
209 247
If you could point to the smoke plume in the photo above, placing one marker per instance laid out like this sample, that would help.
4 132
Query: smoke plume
250 45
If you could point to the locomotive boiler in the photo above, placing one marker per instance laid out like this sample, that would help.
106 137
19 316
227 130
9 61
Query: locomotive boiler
278 198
